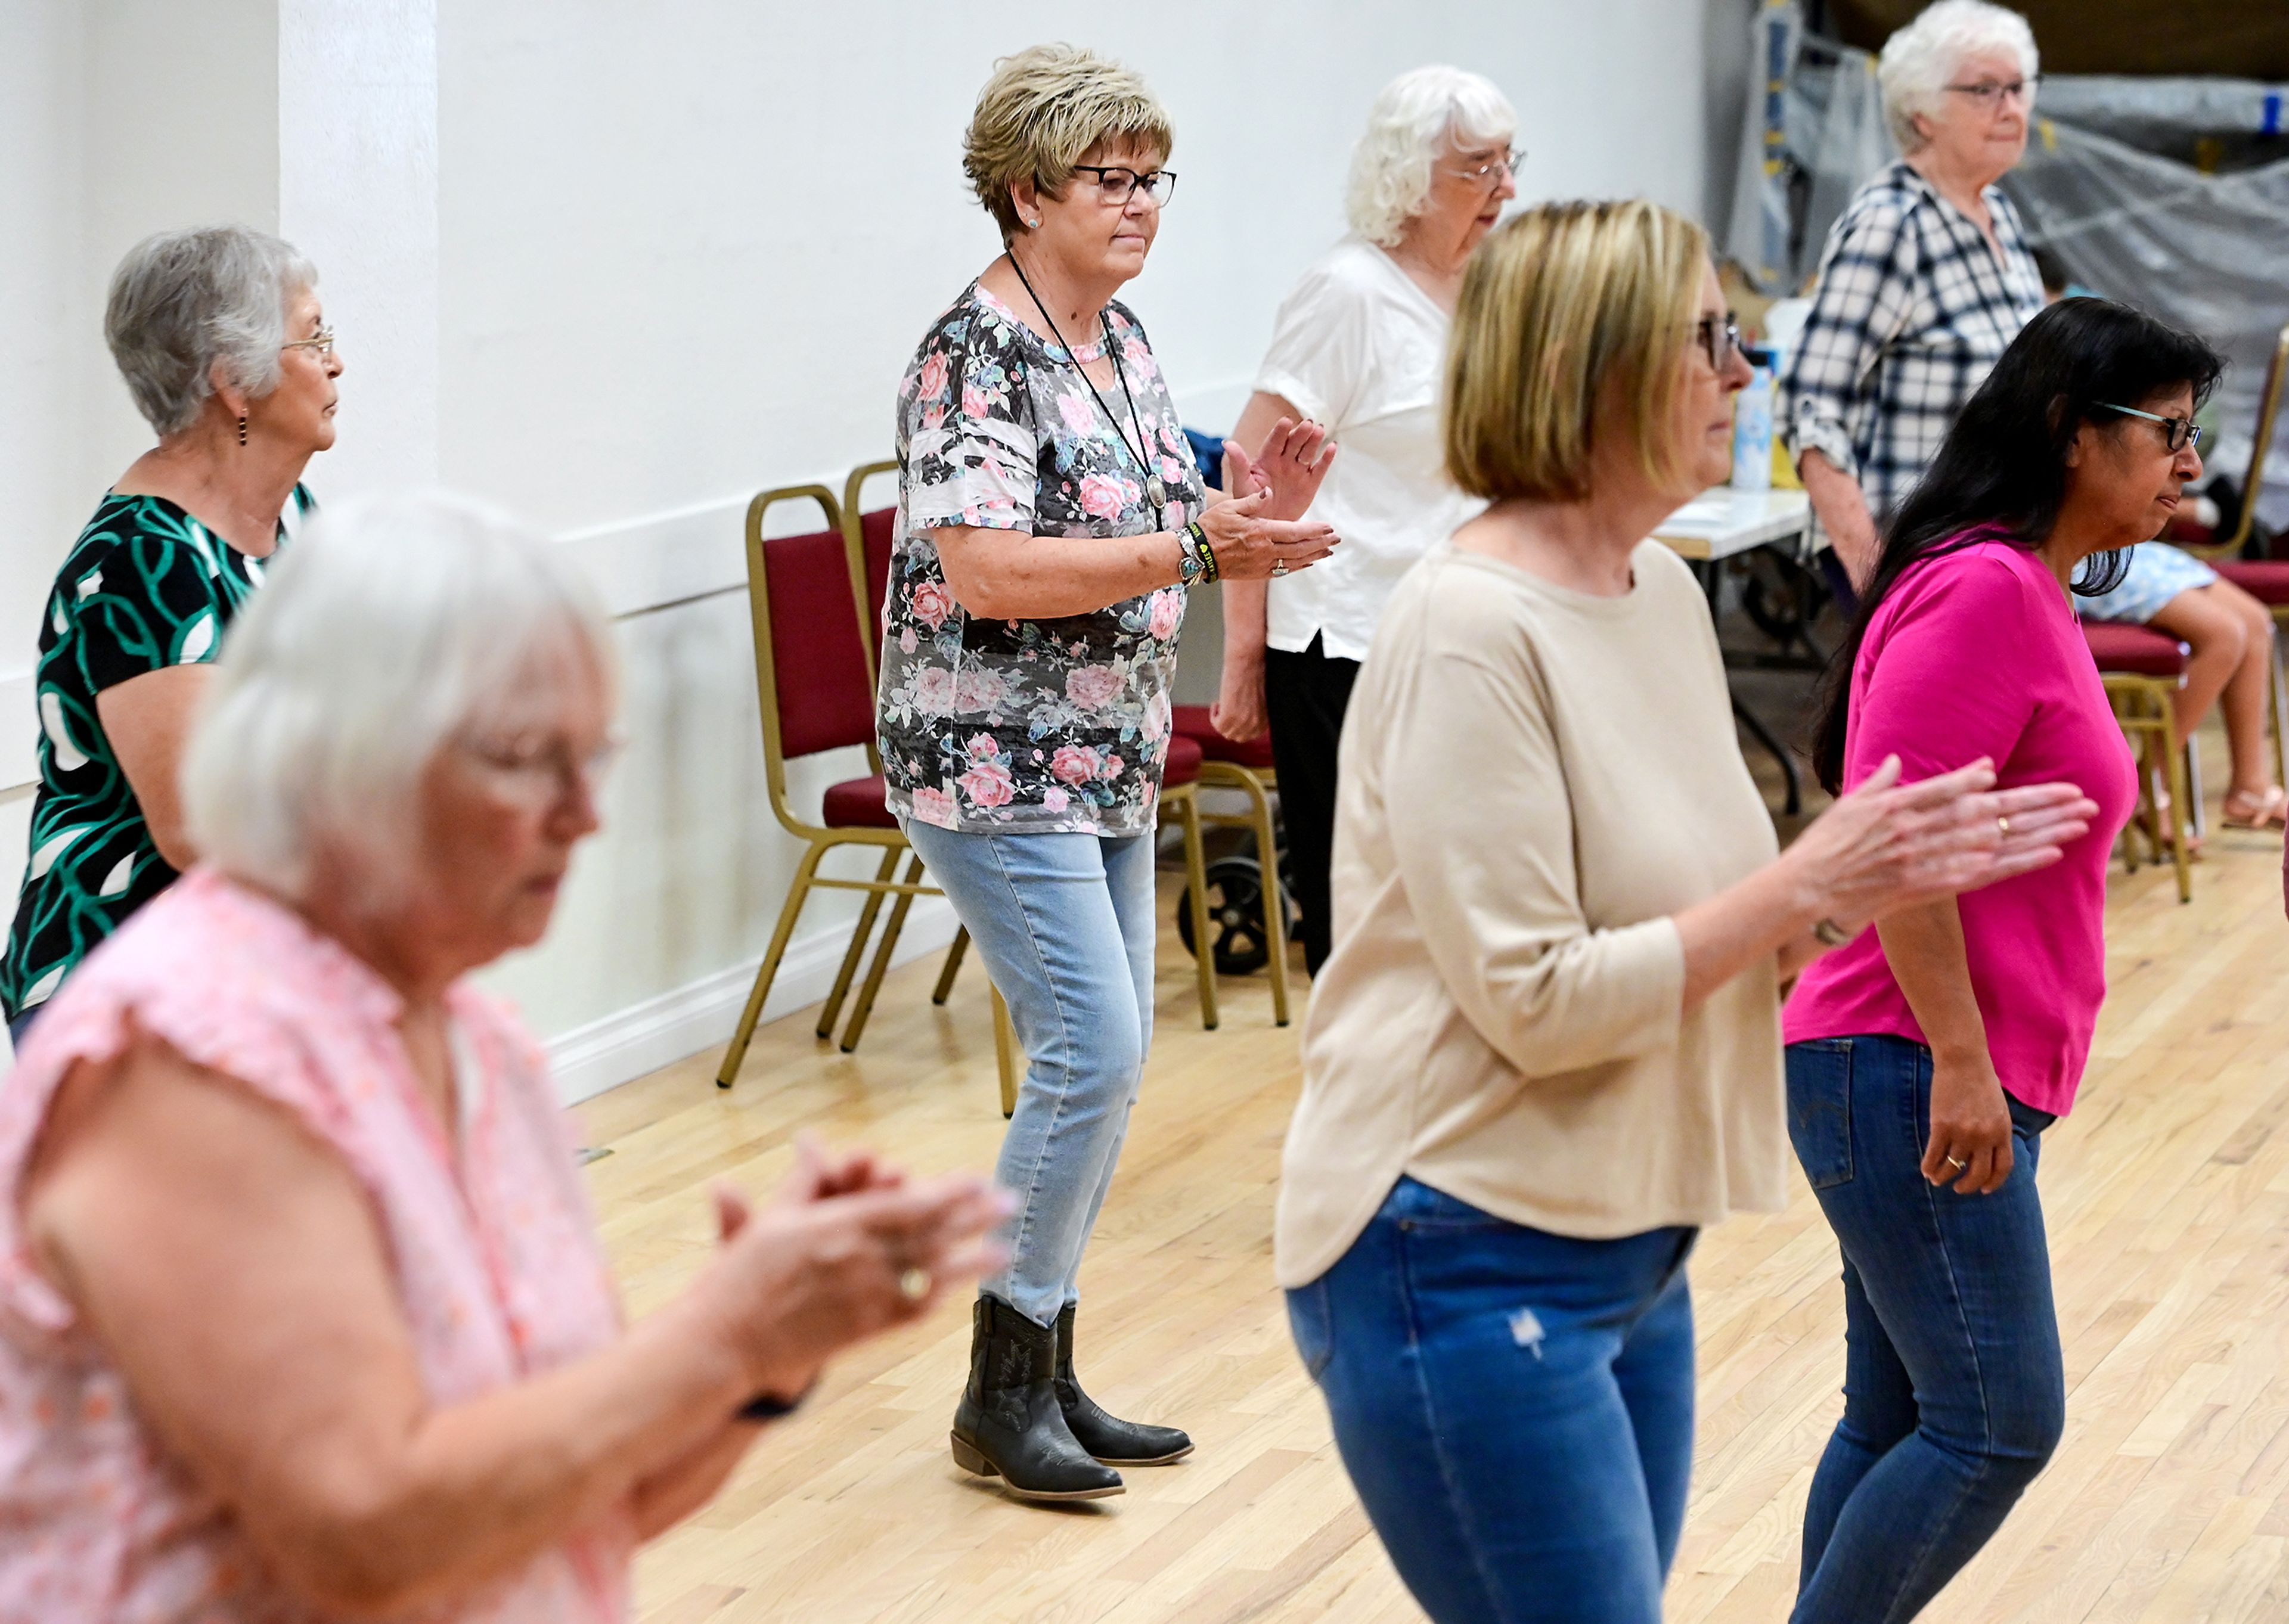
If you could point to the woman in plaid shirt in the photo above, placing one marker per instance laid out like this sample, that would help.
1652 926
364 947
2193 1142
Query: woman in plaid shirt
1927 277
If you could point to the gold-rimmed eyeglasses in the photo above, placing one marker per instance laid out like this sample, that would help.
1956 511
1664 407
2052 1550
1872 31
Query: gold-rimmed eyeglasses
1116 184
539 771
322 341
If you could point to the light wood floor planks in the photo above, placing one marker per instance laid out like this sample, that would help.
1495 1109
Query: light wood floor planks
2167 1194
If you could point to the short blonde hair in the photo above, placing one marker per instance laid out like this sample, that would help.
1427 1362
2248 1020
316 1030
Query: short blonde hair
1572 320
1919 59
1409 130
1042 111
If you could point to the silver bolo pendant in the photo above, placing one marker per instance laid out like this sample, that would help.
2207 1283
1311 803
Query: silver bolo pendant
1155 490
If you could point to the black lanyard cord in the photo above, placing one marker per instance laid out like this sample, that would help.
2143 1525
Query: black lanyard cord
1154 487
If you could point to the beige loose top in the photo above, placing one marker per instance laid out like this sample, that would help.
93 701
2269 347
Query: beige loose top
1534 781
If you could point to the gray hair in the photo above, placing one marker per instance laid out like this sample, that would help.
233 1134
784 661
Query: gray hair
182 301
1921 59
391 627
1407 130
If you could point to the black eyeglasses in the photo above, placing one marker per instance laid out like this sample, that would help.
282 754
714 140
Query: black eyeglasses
1720 338
1117 184
2179 431
1987 93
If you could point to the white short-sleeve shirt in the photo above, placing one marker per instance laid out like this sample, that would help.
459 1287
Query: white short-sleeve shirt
1360 347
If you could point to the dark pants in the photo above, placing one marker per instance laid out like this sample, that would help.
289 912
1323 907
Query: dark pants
1954 1389
1304 697
21 1026
1514 1407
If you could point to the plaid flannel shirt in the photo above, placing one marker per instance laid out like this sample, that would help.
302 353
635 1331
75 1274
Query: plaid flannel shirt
1910 312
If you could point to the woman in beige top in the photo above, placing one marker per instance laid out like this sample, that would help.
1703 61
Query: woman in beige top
1546 1048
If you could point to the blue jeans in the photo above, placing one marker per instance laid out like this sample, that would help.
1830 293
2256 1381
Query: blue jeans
1064 923
1514 1407
1954 1390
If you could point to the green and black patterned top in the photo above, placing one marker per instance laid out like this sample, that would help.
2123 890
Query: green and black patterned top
145 587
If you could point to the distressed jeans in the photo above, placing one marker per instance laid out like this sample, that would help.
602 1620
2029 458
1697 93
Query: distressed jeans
1514 1407
1954 1389
1064 924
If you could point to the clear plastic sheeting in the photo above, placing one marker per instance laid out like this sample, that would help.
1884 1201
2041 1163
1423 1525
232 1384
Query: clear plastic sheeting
2180 207
2209 252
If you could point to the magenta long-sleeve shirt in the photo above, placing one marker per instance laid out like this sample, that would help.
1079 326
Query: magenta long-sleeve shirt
1977 653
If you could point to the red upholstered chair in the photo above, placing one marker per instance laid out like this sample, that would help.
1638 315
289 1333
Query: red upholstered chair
1180 784
1230 764
2143 670
815 683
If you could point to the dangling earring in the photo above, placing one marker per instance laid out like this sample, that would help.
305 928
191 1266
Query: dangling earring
242 428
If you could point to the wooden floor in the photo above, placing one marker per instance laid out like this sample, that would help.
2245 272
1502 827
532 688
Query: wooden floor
2168 1199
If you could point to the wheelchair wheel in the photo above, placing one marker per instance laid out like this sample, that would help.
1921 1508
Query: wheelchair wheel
1235 899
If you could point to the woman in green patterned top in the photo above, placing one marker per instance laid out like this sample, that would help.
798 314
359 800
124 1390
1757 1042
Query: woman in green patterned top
221 340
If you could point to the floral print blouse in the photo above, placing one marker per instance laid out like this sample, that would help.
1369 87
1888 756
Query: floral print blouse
1028 726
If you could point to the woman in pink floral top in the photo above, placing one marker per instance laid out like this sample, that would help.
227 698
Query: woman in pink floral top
1050 522
302 1313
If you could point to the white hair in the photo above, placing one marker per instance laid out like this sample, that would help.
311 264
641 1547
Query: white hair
182 301
1408 132
390 628
1921 60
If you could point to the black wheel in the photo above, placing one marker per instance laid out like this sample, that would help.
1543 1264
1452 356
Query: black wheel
1235 901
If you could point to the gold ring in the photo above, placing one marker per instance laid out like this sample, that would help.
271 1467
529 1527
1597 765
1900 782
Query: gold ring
1279 567
914 1285
2004 824
1957 1163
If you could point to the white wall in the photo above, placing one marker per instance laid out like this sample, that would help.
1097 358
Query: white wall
677 253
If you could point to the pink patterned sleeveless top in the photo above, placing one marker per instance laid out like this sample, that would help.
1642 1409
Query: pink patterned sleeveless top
500 1273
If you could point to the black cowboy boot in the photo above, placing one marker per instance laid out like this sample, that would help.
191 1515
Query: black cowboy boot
1009 1424
1113 1441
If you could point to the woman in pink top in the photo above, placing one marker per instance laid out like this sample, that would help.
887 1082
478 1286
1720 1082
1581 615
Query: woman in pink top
302 1313
1926 1057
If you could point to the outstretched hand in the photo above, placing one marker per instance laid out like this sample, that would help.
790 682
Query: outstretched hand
1885 845
1292 462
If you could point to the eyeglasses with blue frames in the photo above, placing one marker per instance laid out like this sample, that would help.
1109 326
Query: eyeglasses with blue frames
1117 184
2179 431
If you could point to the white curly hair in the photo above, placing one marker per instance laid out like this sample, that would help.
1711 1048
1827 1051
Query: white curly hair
1921 59
1408 131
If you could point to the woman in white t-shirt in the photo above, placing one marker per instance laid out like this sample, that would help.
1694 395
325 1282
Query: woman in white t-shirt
1358 347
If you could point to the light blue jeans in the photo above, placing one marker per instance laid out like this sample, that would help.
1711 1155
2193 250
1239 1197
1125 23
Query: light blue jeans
1064 923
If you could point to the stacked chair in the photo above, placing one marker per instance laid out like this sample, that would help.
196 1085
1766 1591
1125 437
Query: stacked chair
1230 764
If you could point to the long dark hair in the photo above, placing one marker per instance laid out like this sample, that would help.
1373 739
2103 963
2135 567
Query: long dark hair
2003 468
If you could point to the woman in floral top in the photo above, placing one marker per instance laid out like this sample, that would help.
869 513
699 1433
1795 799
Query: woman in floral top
1049 520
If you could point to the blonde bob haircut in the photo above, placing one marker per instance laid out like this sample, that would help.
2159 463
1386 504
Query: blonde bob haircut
1571 322
1042 111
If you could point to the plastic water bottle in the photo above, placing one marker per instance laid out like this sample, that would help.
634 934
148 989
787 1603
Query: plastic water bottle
1752 432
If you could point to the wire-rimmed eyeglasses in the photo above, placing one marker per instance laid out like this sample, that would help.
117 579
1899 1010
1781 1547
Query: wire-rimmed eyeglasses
1989 93
322 341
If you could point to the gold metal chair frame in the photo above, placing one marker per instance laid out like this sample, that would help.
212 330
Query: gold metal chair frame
2142 705
2269 411
818 840
1257 784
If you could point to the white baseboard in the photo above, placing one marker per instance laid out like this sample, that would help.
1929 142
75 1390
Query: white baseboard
644 1037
